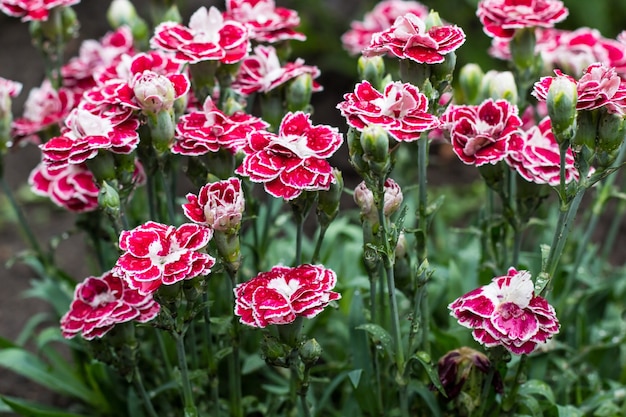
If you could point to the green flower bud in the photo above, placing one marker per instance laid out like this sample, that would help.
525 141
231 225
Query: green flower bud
162 128
375 144
611 131
103 166
328 201
310 352
109 199
587 129
433 19
298 94
353 137
193 288
441 74
561 101
500 85
172 15
523 48
470 81
229 249
372 69
275 352
123 13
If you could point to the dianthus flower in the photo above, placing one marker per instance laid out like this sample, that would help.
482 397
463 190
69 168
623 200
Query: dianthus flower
500 18
218 205
535 156
507 313
72 187
294 160
599 86
379 19
208 37
156 254
262 72
408 38
200 132
400 109
8 89
267 22
482 134
32 9
102 302
282 294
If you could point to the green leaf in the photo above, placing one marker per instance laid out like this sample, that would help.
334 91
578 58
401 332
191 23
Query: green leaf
380 337
569 411
536 387
252 363
30 326
424 359
28 409
355 377
428 397
531 404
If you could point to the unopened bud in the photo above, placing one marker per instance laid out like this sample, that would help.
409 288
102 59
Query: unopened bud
611 130
375 144
364 198
123 13
172 15
275 352
310 352
162 129
193 289
441 74
353 137
523 48
586 131
299 91
500 85
433 19
109 199
372 69
470 80
393 197
561 102
465 366
153 92
328 201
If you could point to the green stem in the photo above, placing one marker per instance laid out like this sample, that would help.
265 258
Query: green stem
299 236
169 195
166 359
190 407
147 402
509 400
235 362
484 394
209 353
422 175
304 388
152 201
318 244
614 229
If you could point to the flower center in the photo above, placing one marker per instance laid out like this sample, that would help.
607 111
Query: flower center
510 311
284 288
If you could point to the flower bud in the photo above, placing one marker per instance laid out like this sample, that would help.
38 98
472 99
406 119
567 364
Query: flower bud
433 19
162 129
123 13
172 15
470 81
523 48
109 199
586 132
310 352
364 198
611 130
193 289
441 74
393 197
561 102
153 92
275 352
465 366
500 85
298 94
328 201
229 249
375 144
353 137
372 69
8 90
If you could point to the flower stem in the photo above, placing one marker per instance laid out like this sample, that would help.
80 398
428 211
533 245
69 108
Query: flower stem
318 244
299 236
509 399
209 352
302 391
190 407
234 362
147 402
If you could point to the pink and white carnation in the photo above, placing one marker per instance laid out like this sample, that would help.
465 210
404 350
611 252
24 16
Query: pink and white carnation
283 294
44 107
8 90
294 160
208 37
267 23
72 187
379 19
501 18
218 205
156 254
535 156
209 129
30 10
599 86
482 134
102 302
400 109
408 38
85 134
93 56
507 313
262 72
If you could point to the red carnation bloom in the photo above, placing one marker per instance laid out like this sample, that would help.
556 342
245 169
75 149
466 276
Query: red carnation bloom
157 254
378 20
32 9
482 134
294 160
267 22
200 132
208 37
219 205
282 294
408 38
507 313
500 18
400 109
72 187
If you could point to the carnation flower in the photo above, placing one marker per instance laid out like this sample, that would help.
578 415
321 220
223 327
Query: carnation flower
8 89
267 22
32 9
599 86
262 72
400 109
282 294
507 312
482 134
72 187
500 18
408 38
378 20
536 157
219 205
102 302
208 37
294 160
156 254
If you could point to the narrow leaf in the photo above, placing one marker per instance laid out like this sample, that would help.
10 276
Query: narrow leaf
536 387
424 359
28 409
380 337
355 377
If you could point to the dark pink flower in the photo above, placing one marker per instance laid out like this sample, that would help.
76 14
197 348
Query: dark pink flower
102 302
378 20
263 72
282 294
482 134
267 22
408 38
204 131
535 156
599 86
32 9
157 254
508 313
219 205
294 160
400 109
500 18
72 187
208 37
44 107
94 56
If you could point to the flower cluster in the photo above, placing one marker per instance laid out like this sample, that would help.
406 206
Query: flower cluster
30 10
267 23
